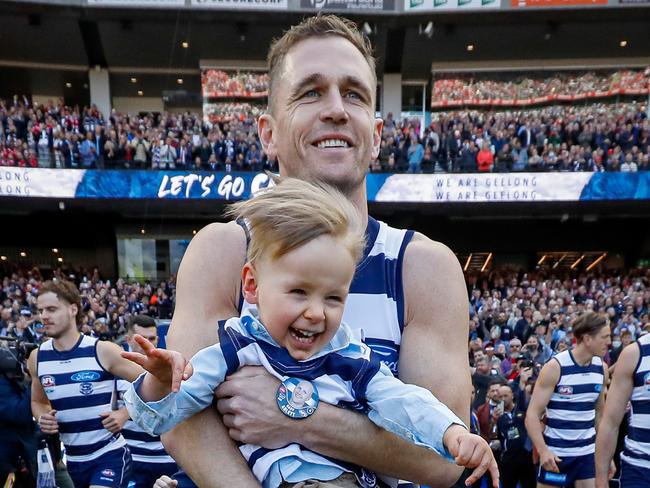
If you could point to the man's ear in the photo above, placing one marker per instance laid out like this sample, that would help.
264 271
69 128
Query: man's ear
265 130
376 137
249 283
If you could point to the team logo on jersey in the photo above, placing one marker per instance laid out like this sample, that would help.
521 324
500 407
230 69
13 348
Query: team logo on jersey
108 472
83 376
598 388
565 390
86 388
48 383
646 381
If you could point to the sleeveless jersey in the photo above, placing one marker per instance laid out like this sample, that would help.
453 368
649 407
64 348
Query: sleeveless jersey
144 448
79 389
375 303
571 413
637 441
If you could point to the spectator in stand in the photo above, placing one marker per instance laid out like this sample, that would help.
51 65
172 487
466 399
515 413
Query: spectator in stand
485 158
415 155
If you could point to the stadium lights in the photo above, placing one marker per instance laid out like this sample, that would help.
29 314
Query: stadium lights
194 232
179 81
23 254
592 265
142 231
68 85
55 250
539 263
185 44
623 43
140 92
469 258
60 260
3 258
577 261
134 80
470 47
426 30
487 261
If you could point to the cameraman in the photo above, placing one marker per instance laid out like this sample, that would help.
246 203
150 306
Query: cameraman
17 435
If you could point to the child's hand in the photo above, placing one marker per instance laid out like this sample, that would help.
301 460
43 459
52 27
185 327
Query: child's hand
471 451
169 367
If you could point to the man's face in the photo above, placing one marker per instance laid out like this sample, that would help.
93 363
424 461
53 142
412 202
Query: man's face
323 125
301 393
149 333
58 316
505 396
493 393
598 344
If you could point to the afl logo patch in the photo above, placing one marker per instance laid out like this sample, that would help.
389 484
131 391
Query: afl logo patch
565 390
48 383
86 388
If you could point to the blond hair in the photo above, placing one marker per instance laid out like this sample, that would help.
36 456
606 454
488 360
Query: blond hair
315 27
295 212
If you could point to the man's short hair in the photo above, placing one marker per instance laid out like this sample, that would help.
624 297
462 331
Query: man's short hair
315 27
295 212
141 321
589 323
64 290
496 381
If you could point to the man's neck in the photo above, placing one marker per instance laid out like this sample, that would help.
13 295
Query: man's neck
359 198
68 340
582 355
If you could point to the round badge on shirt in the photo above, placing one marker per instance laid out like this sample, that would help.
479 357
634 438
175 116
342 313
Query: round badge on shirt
297 398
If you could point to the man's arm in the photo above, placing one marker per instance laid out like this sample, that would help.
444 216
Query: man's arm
544 386
110 357
618 395
207 291
41 407
600 403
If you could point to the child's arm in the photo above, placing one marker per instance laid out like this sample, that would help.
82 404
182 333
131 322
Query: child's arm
194 394
416 415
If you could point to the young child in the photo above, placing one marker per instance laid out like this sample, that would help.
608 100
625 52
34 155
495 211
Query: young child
306 240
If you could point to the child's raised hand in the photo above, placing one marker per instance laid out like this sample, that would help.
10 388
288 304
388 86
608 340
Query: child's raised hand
471 451
169 367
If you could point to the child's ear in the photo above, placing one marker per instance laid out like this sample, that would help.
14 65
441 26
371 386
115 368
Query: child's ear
249 283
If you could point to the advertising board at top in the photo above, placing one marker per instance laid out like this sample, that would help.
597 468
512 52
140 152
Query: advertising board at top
137 3
448 5
558 3
241 4
348 5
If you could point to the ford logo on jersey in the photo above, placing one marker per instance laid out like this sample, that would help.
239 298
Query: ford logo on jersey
85 376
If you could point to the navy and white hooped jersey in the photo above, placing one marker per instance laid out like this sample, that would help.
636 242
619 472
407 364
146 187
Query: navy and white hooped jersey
637 441
375 303
571 413
79 389
144 448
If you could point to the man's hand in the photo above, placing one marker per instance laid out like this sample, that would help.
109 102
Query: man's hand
169 367
114 420
48 423
549 461
165 482
524 375
471 451
246 400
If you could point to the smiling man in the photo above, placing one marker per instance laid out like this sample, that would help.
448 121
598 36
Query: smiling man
408 294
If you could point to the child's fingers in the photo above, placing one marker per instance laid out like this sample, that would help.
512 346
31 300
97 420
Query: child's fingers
178 368
482 465
136 357
494 471
146 346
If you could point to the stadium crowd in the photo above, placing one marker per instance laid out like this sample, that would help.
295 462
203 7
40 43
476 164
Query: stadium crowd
529 89
594 136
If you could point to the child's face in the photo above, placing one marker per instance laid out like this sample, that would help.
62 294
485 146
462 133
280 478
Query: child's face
300 296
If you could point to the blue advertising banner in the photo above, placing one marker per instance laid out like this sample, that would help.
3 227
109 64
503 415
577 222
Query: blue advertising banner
423 188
